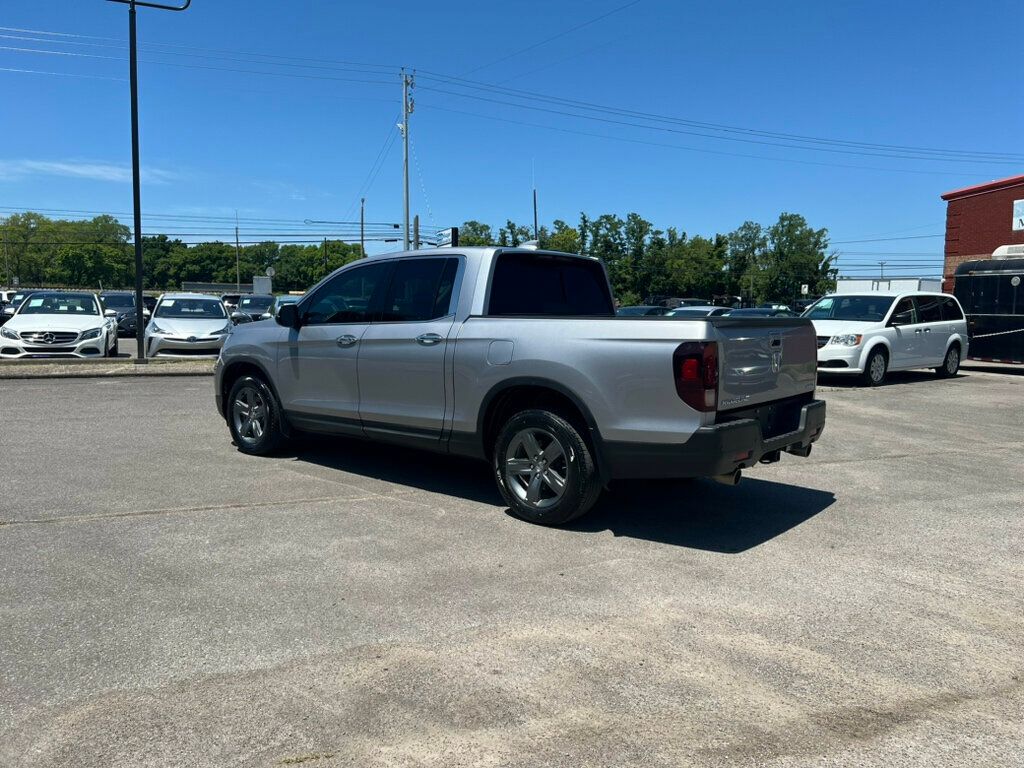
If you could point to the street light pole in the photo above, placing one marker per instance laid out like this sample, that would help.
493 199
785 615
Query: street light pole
133 64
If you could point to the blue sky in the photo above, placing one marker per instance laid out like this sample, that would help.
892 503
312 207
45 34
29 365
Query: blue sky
295 136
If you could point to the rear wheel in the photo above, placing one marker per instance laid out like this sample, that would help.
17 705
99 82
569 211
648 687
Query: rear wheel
951 364
544 468
254 417
876 367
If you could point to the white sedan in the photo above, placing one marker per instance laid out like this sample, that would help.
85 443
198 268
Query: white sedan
868 335
59 324
187 325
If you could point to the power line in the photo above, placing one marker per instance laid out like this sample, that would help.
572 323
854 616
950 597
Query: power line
834 150
951 154
887 239
702 150
547 40
575 103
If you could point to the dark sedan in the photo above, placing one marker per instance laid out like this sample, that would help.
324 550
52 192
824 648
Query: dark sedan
252 307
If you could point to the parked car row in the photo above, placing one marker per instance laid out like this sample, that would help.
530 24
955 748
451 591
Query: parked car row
863 335
76 324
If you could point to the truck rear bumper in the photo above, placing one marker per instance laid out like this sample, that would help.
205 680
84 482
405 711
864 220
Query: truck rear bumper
714 450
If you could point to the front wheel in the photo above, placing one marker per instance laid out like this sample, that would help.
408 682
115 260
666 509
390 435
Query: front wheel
875 368
254 417
544 468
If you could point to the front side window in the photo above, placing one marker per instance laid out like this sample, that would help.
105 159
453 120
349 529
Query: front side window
549 286
421 289
348 297
191 309
929 309
60 304
903 314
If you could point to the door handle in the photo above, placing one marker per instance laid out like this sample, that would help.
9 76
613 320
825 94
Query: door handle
917 330
348 340
927 330
429 339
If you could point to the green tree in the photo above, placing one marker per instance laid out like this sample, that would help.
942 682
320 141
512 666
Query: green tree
475 233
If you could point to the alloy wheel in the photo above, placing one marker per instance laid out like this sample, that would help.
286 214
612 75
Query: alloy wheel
250 415
877 368
952 361
536 468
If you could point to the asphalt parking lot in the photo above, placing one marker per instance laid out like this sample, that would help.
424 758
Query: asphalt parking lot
169 601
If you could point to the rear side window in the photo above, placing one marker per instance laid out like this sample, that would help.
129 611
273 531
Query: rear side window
550 286
421 289
929 309
951 310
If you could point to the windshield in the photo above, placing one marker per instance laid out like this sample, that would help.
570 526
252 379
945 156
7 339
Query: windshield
256 302
866 309
60 304
119 301
633 311
195 309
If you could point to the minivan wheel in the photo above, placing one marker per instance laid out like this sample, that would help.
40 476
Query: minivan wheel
254 417
951 364
544 468
876 367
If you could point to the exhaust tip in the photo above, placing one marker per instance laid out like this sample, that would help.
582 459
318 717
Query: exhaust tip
731 478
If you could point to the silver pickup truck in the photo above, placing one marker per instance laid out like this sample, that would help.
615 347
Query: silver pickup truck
515 356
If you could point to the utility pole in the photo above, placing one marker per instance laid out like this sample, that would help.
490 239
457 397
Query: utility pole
325 255
7 258
133 65
881 266
416 232
533 179
407 108
238 248
536 233
362 227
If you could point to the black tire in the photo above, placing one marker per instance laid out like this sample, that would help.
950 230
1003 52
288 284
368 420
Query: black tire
259 436
951 363
569 464
874 372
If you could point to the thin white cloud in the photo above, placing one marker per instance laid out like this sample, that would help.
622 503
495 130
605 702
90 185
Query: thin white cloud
13 170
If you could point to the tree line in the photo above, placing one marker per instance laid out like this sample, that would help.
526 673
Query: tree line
755 261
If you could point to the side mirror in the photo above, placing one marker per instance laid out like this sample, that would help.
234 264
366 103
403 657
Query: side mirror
240 317
903 318
109 313
288 316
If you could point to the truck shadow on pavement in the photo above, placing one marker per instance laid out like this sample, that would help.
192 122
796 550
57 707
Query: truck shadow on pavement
699 514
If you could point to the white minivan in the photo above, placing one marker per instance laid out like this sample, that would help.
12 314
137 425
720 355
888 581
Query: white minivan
870 334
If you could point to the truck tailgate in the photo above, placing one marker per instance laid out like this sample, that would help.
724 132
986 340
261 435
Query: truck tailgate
764 360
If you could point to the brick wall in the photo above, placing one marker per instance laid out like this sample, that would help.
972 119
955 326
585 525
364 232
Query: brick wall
978 223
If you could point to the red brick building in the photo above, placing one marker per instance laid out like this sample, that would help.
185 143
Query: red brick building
981 218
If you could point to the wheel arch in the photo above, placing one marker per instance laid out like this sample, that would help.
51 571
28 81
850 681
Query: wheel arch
512 395
234 370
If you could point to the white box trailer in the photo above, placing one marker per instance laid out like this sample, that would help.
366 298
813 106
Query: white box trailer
907 284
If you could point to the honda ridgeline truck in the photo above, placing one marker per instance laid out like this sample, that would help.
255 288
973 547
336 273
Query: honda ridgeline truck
515 356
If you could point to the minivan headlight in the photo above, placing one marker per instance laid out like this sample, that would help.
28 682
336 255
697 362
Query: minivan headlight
7 333
847 340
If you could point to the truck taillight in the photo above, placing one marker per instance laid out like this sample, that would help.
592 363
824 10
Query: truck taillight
695 366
